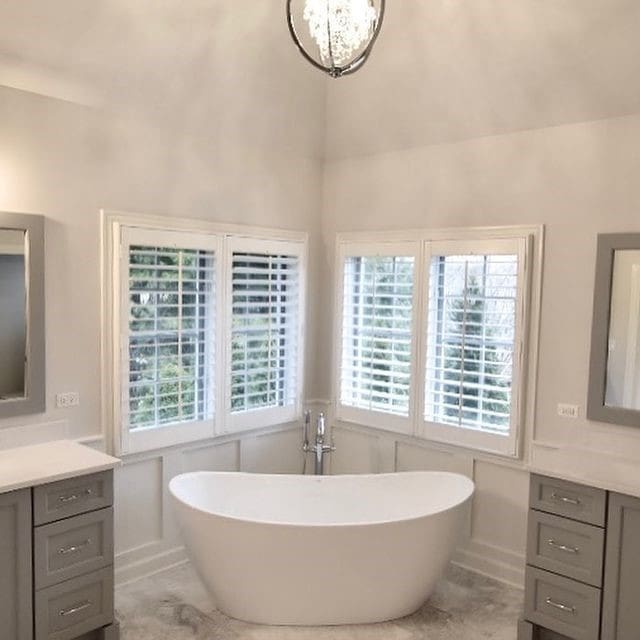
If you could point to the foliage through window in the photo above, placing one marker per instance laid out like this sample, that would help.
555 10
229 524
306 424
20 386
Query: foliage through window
471 341
170 308
264 334
377 320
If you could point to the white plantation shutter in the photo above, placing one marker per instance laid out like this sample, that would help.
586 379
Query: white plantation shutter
474 340
377 335
266 349
168 328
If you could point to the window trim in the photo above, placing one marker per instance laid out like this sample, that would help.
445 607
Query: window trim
267 416
111 225
533 237
378 419
450 434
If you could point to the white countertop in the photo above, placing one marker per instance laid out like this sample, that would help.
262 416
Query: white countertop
43 463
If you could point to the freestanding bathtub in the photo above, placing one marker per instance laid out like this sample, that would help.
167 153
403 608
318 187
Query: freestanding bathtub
328 550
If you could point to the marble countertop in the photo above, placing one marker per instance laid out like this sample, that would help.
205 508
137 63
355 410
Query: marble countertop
43 463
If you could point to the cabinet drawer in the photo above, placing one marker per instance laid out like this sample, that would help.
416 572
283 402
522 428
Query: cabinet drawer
77 606
562 605
71 547
570 548
569 500
71 497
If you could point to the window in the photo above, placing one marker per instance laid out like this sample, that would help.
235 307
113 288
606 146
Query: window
437 333
377 337
203 331
168 329
474 342
265 332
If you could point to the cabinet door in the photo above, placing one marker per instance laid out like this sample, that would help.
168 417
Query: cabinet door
16 620
621 600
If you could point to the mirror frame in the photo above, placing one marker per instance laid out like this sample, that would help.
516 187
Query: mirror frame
608 244
34 399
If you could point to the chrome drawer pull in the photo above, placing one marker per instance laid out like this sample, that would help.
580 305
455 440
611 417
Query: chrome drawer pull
560 605
559 498
562 547
75 609
75 496
63 551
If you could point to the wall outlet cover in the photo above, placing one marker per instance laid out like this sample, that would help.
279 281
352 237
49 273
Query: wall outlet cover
66 400
568 410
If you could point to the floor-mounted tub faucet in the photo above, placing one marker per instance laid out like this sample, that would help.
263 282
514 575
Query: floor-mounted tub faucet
319 448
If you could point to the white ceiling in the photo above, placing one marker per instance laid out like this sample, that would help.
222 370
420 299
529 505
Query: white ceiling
442 70
447 70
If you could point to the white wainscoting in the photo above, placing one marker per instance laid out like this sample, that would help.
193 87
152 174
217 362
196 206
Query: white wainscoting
146 535
494 543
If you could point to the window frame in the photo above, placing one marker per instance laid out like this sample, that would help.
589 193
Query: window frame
357 415
264 416
114 259
532 239
505 445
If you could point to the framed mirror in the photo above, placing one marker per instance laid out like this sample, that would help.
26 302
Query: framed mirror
614 382
22 340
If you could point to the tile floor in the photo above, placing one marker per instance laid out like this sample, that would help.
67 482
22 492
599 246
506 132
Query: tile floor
173 605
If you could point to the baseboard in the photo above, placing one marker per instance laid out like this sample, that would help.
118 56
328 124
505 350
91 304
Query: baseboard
149 566
494 562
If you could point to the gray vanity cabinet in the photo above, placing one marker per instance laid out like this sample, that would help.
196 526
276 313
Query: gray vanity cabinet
583 564
621 602
16 613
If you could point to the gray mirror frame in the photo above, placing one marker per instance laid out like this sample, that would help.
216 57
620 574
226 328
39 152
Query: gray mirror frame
34 400
608 244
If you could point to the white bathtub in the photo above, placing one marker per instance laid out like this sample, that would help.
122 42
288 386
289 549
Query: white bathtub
307 550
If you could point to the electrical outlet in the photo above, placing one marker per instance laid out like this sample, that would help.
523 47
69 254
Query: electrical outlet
568 410
66 400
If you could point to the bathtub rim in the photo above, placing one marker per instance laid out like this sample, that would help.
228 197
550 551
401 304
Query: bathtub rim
471 488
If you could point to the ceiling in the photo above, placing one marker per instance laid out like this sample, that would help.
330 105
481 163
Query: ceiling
442 70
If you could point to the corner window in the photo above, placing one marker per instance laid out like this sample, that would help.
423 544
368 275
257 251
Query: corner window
203 330
377 334
436 334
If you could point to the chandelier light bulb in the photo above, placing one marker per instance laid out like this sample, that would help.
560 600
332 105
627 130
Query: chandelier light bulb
342 33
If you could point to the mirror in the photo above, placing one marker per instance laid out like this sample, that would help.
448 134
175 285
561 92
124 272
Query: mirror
614 388
13 314
22 346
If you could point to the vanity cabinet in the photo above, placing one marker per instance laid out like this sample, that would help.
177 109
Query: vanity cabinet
56 560
621 605
582 579
16 612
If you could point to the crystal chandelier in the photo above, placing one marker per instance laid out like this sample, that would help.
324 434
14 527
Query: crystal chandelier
341 33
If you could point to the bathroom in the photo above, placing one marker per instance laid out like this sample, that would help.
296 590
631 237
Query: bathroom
501 129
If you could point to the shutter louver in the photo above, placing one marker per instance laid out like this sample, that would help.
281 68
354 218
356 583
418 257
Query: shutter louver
377 320
471 341
170 305
264 331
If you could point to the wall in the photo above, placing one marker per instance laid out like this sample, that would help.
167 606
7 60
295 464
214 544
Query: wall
497 114
211 138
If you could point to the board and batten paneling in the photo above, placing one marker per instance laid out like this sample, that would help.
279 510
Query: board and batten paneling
147 537
496 540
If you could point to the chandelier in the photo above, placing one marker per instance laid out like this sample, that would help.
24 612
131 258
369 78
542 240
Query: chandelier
339 33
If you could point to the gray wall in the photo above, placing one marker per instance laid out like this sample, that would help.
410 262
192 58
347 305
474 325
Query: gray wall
12 325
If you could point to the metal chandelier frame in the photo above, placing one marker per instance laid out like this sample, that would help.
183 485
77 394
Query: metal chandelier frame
336 71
